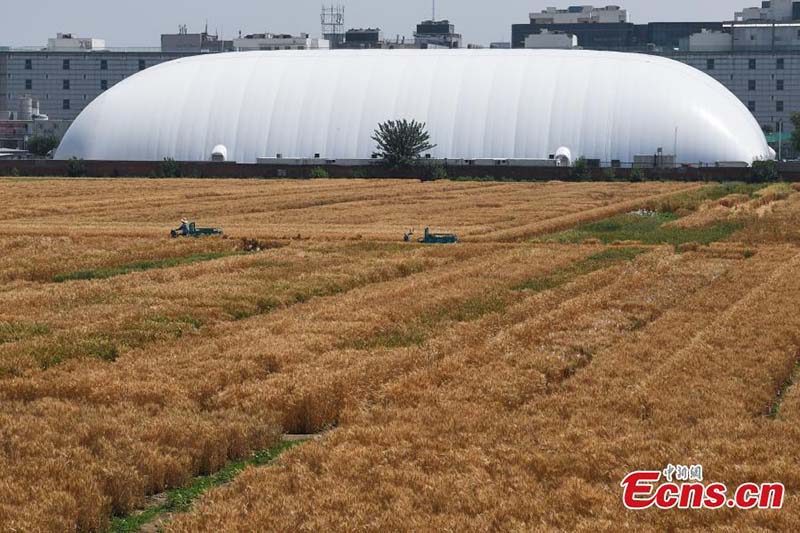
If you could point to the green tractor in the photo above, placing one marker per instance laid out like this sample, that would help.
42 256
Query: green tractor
433 238
189 229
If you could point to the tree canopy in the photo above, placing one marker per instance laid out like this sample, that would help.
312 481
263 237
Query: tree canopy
400 142
41 145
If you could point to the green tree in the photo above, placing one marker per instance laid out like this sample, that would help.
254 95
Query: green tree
318 173
401 142
41 145
580 170
795 118
765 171
169 168
638 174
76 168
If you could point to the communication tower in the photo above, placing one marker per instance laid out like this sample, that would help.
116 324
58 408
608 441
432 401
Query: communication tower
332 18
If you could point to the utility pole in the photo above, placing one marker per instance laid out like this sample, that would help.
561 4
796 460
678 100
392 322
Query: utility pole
675 152
433 13
780 140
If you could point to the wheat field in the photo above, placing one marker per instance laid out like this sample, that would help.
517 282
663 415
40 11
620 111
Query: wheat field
577 332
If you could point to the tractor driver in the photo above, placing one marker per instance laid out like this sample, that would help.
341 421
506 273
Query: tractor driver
184 229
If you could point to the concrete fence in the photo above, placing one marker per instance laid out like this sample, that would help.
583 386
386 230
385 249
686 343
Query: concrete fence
42 167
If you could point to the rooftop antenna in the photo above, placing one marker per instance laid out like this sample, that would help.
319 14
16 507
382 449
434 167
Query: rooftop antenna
333 24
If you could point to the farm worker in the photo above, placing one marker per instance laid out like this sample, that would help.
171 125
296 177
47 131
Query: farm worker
184 229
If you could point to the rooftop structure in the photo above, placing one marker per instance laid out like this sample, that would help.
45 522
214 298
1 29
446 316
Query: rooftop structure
65 42
774 10
437 33
332 19
363 38
184 42
580 15
551 39
273 41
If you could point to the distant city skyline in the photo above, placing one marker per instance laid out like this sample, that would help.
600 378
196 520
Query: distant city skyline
142 22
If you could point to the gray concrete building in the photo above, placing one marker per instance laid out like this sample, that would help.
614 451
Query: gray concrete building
766 80
65 77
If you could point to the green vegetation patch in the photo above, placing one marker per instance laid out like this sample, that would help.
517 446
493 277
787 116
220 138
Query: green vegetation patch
17 331
691 200
156 327
469 310
592 263
140 266
397 337
647 228
57 351
180 500
416 332
774 409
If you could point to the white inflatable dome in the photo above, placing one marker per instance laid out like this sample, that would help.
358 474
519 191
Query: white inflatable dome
521 104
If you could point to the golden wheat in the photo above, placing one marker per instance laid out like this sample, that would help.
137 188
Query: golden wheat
489 385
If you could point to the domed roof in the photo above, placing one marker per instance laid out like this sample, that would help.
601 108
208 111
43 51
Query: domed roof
522 104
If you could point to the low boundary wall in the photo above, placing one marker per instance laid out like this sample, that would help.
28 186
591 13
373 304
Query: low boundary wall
44 167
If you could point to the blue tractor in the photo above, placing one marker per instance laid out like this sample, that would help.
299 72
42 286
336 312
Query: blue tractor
433 238
189 229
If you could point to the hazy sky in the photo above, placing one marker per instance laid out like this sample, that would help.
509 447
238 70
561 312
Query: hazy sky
141 22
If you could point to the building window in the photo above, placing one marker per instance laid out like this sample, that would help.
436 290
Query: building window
751 105
65 105
66 85
103 85
104 64
751 85
710 64
752 64
779 85
779 63
65 65
29 64
779 106
28 85
142 64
